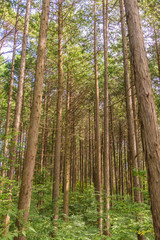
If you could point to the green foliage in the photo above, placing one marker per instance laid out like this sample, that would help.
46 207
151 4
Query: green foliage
8 207
127 218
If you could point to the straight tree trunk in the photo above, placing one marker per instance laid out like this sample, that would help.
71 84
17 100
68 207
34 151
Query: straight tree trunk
125 166
18 108
129 107
67 152
147 109
106 120
157 50
111 170
43 134
97 128
86 156
29 161
73 152
121 192
81 165
90 174
130 116
56 180
10 91
136 122
113 144
17 115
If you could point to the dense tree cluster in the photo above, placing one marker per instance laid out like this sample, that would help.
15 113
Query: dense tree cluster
79 123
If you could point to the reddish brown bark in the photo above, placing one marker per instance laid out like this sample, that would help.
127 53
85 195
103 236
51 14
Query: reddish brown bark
97 128
56 180
147 109
29 161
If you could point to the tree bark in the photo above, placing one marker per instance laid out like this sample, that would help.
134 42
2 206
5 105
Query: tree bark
129 108
29 161
147 109
10 91
106 120
157 50
56 180
97 128
17 115
114 150
67 152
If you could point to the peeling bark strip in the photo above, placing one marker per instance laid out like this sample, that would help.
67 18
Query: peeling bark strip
29 162
150 132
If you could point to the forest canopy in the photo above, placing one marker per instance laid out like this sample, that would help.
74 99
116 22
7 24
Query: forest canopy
80 119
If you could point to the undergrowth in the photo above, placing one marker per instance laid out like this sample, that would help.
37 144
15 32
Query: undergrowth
127 218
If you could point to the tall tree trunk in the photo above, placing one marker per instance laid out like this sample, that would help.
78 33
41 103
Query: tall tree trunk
113 144
29 161
111 170
120 160
73 152
125 166
86 156
17 116
147 109
106 120
56 180
97 128
157 50
136 121
130 116
10 91
129 107
67 151
90 174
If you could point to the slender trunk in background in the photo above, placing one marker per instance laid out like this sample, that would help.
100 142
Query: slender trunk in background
111 170
121 192
10 91
129 108
136 123
94 154
157 51
147 109
81 164
86 154
130 116
113 144
20 156
56 179
52 150
18 108
62 160
90 174
97 128
106 120
46 135
29 161
41 181
67 151
73 152
125 166
17 115
43 133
